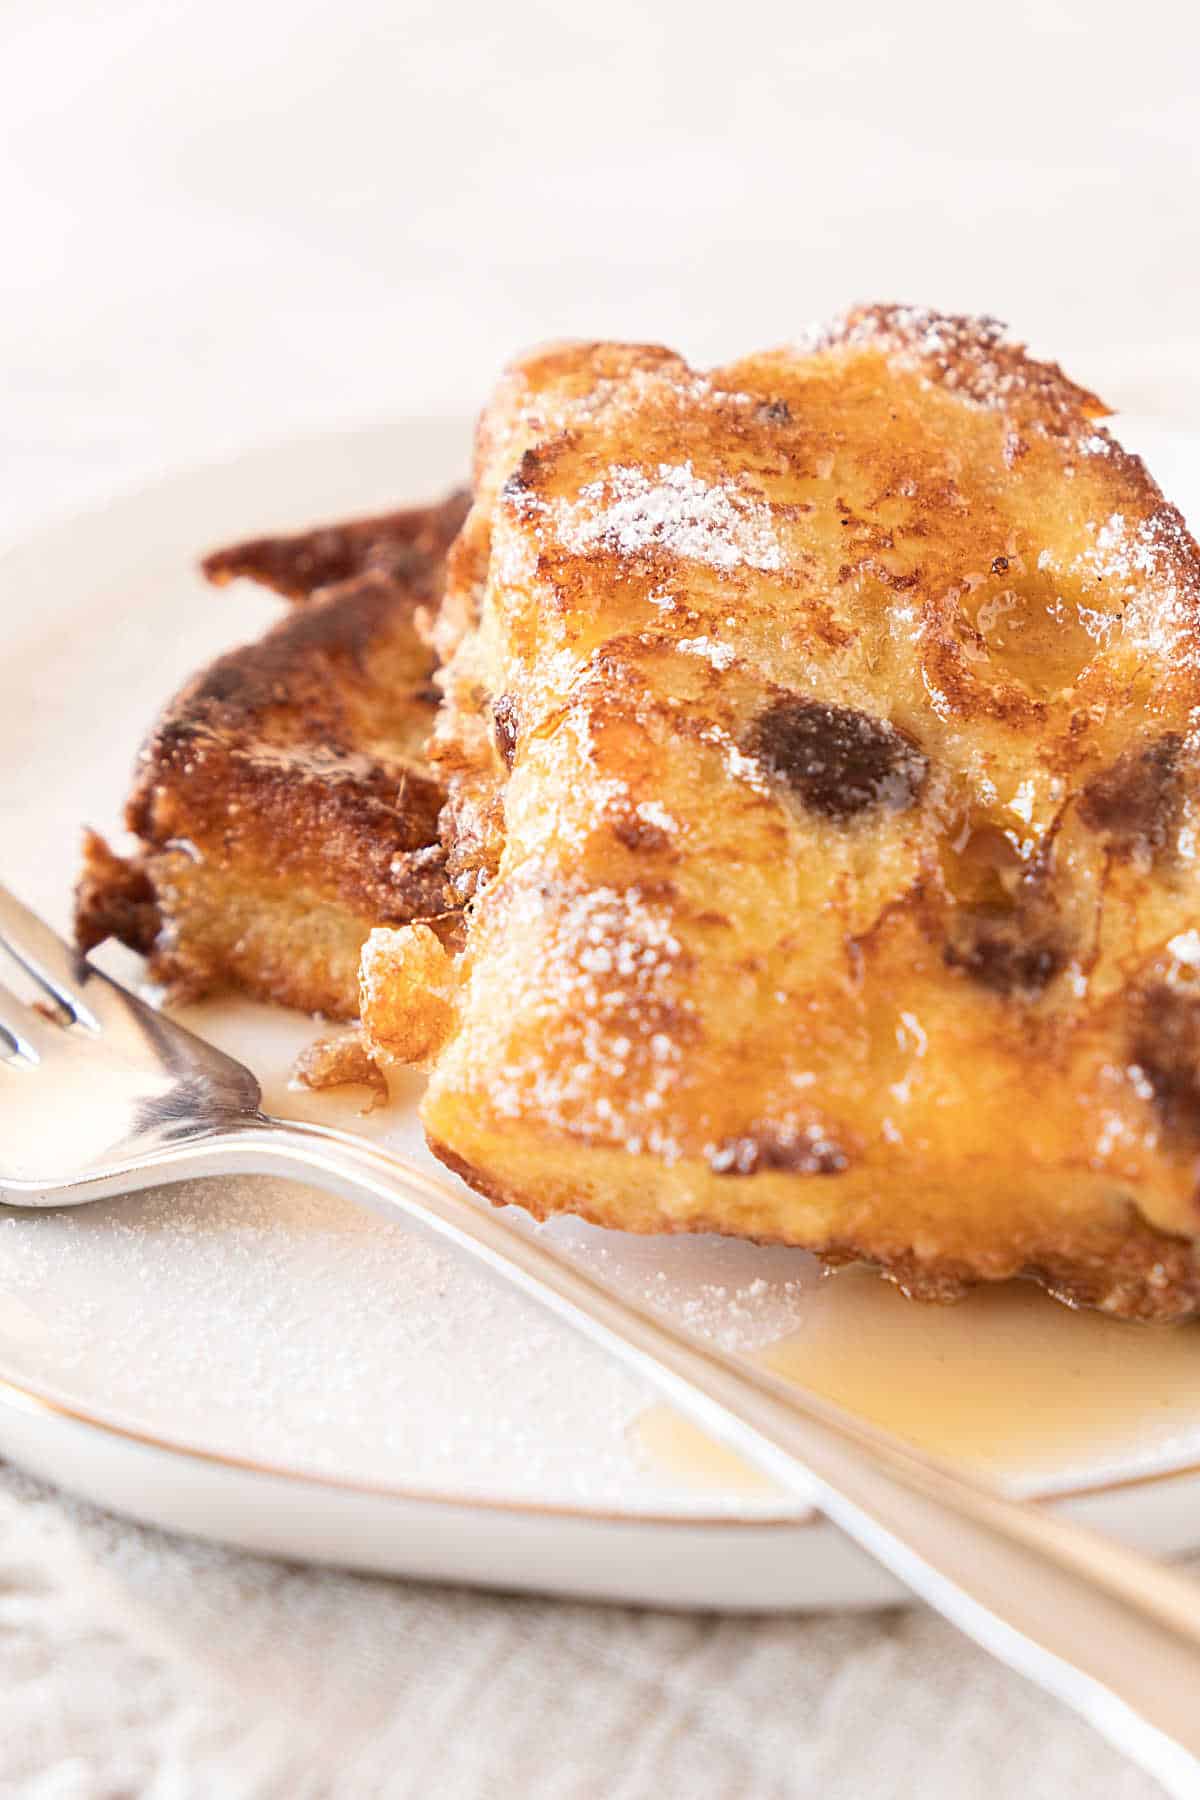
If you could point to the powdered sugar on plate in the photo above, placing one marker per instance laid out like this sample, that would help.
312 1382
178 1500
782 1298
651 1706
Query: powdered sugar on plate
258 1319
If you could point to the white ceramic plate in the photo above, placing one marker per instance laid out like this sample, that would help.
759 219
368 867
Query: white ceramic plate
268 1366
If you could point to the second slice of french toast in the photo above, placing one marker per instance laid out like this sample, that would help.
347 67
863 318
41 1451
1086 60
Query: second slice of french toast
282 804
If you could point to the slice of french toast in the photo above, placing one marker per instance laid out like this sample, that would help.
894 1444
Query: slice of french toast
283 802
821 738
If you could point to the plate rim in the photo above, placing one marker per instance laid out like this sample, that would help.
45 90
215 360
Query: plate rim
17 1396
92 502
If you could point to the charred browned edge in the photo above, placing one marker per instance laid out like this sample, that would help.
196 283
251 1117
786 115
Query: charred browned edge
262 756
301 680
1137 1273
297 757
257 761
1133 1271
114 898
969 354
396 544
366 838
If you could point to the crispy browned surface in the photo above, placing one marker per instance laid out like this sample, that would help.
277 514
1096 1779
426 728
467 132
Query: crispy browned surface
399 544
114 897
408 986
283 802
342 1060
823 769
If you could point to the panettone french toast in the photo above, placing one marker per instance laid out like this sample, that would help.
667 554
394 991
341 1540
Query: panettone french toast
283 803
821 737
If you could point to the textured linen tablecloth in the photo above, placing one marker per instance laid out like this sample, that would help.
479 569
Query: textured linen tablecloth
132 1663
226 224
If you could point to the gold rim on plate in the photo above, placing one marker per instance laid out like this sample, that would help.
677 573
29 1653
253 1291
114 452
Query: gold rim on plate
28 1400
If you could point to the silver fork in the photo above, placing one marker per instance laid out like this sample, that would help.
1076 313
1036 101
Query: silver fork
100 1094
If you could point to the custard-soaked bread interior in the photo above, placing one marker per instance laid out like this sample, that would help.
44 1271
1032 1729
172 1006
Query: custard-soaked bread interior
284 804
820 737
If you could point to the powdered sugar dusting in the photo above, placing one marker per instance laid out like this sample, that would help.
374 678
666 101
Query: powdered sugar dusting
259 1319
609 977
925 332
630 512
974 357
1152 561
1126 549
721 656
1120 550
960 350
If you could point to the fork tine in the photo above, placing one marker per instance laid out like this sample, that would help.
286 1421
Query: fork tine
43 955
26 1035
16 1052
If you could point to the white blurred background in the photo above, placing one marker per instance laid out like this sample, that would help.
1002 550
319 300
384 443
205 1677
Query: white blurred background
226 223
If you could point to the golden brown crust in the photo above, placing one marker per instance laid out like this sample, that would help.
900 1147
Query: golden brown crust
115 898
824 783
1125 1268
302 754
408 986
283 803
344 1059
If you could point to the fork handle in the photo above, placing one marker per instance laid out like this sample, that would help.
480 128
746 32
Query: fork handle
1112 1633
